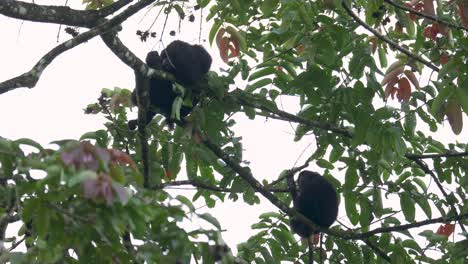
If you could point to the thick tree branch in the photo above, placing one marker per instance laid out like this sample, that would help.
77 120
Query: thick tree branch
405 227
29 79
377 250
238 96
433 18
387 40
141 71
209 187
57 14
432 156
131 60
257 186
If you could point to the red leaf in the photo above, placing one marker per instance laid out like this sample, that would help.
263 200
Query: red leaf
235 51
404 90
390 89
219 36
463 12
444 58
446 230
316 239
168 174
431 32
224 49
429 7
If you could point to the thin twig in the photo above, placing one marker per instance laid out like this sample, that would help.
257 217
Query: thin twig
387 40
426 169
421 14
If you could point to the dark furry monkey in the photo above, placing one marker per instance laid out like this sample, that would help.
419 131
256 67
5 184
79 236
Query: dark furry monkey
188 63
317 200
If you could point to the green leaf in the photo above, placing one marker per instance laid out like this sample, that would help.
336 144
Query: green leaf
266 255
41 221
351 177
350 206
462 96
410 123
258 84
214 29
365 217
268 6
382 57
203 3
184 200
29 142
438 103
325 164
80 177
424 204
210 219
262 73
407 205
336 153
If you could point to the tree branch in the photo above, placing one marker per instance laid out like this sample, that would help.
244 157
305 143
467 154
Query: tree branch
209 187
57 14
257 186
29 79
406 227
432 156
426 169
433 18
238 96
387 40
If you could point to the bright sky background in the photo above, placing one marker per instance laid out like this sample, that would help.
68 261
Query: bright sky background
53 109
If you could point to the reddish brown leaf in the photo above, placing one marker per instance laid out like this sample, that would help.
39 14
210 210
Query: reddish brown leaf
300 49
390 89
444 58
197 138
316 239
446 230
235 51
168 174
219 36
224 49
463 11
404 90
431 32
412 78
392 74
429 7
398 27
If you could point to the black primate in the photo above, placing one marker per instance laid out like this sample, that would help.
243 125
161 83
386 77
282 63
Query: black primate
317 200
188 63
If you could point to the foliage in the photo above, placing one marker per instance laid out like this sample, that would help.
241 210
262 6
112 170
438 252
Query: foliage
84 201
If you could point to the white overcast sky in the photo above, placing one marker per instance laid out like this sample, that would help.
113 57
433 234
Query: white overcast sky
53 109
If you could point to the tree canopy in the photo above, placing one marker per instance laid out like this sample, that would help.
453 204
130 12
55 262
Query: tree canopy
373 80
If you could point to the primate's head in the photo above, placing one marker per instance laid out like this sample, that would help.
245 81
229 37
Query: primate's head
306 178
153 60
187 62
